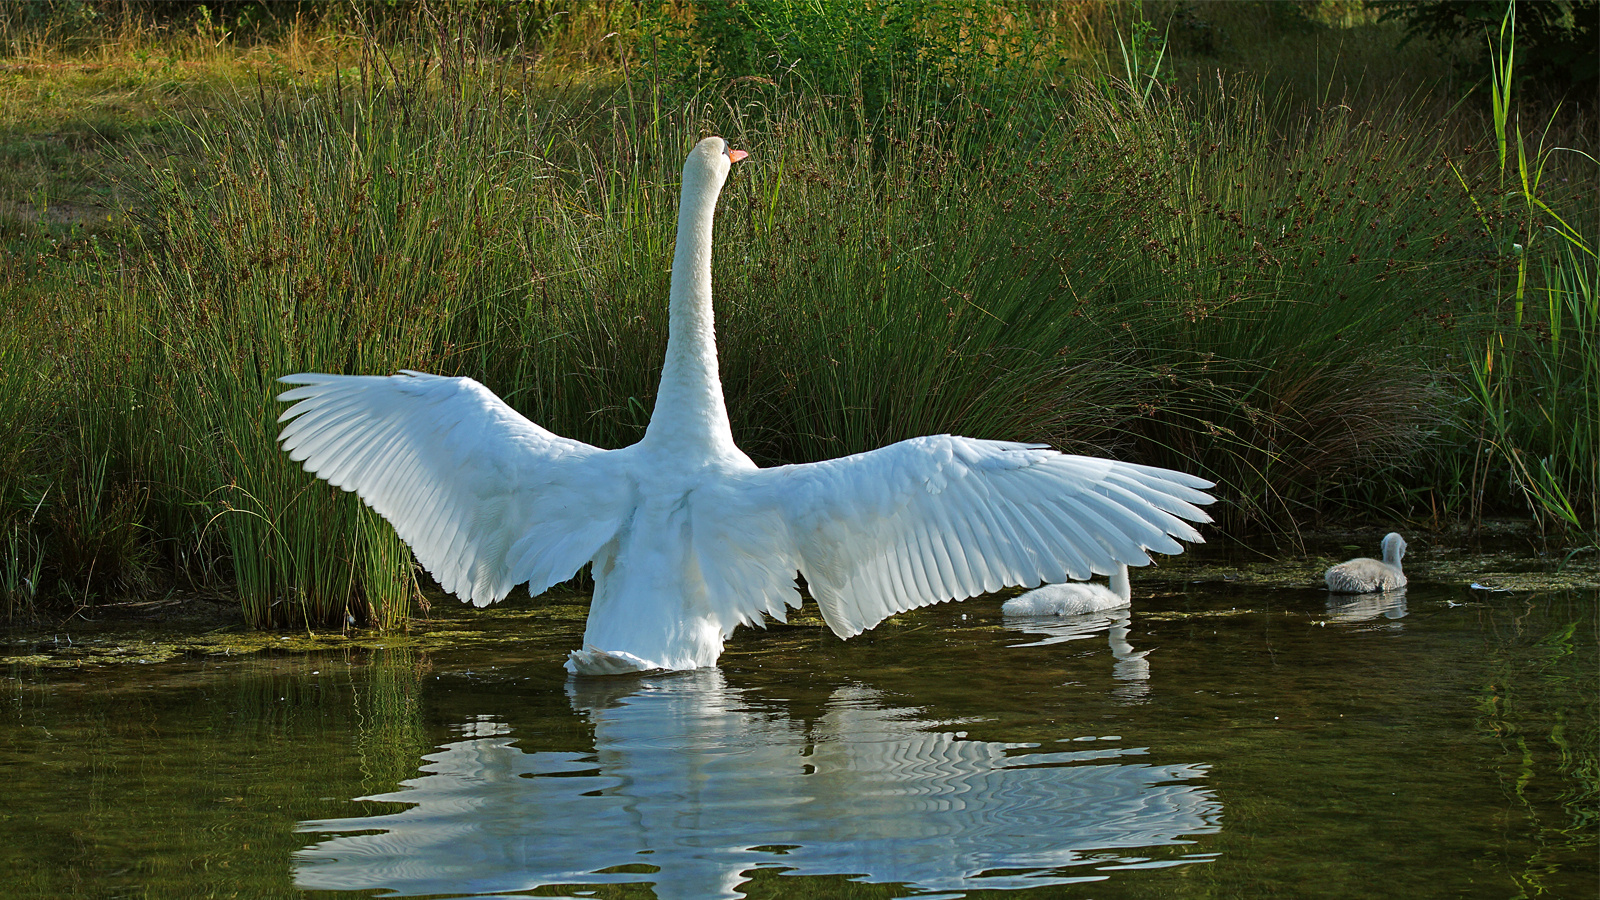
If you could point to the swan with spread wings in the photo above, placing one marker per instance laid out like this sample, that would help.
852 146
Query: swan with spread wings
688 538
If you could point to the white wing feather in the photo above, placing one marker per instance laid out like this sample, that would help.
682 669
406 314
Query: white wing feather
485 498
946 518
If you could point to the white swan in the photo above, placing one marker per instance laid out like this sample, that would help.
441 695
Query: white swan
1073 598
1363 575
688 538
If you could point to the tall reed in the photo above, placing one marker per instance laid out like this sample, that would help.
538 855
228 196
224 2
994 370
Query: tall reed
1534 373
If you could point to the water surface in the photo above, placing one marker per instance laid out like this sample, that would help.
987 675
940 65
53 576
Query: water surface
1219 739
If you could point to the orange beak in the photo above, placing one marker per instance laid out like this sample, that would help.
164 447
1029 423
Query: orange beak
736 155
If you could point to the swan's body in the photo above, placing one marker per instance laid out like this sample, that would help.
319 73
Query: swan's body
1073 598
688 538
1364 576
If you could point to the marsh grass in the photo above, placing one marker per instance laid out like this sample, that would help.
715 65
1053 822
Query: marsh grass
866 295
1291 285
1167 277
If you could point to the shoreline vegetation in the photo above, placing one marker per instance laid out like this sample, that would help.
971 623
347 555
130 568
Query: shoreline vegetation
1352 280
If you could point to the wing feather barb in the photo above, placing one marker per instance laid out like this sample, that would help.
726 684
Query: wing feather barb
916 556
1032 542
953 533
999 546
1160 518
940 553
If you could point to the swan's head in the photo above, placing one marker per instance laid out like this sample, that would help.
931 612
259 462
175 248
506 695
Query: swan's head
708 164
1394 547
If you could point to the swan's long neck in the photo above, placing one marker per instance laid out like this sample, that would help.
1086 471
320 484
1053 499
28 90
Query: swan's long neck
690 411
1120 585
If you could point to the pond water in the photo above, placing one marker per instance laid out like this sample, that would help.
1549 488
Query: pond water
1220 739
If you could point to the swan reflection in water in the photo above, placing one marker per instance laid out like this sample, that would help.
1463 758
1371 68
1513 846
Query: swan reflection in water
693 783
1348 608
1131 668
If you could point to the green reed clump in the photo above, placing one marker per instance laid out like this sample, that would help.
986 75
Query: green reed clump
22 492
1534 376
1533 372
409 218
71 503
884 293
1568 385
1267 305
324 233
1308 281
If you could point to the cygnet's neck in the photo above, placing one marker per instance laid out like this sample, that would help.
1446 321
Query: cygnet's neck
690 413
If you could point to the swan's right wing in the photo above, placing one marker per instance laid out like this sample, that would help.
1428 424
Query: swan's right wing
485 498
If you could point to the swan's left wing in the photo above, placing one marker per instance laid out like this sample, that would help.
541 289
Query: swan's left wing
946 518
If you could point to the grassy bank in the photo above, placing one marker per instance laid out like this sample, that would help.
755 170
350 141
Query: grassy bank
1328 312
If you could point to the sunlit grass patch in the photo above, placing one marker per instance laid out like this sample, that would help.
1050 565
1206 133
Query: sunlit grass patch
75 96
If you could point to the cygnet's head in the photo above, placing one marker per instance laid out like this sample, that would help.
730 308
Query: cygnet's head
1394 547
